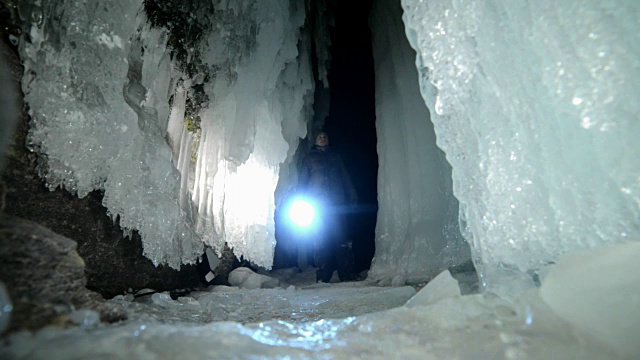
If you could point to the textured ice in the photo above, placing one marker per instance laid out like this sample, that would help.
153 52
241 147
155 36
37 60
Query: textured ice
346 320
99 112
108 105
417 233
598 291
73 83
534 103
302 301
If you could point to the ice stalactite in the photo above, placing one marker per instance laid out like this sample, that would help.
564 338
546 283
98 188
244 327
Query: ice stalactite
181 141
533 103
175 126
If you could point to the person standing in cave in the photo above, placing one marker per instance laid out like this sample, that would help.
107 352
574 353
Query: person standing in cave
324 178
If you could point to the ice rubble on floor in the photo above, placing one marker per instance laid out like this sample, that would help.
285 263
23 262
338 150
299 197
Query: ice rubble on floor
599 293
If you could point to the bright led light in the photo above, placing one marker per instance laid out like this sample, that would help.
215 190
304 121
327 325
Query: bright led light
302 213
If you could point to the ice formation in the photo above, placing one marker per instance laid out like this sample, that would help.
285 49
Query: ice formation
252 126
534 105
440 288
109 101
98 114
417 233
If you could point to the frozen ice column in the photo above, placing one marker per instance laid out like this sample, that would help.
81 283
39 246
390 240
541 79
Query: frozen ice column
534 104
417 233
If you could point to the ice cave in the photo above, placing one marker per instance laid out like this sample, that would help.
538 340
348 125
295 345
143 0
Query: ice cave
151 149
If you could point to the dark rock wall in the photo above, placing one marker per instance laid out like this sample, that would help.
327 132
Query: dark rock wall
45 277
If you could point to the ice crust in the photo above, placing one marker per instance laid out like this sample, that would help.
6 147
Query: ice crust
108 105
534 104
417 234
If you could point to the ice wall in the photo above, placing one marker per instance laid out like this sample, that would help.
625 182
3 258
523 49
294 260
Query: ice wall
109 98
417 233
534 103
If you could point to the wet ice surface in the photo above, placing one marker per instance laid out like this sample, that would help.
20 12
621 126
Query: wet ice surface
306 320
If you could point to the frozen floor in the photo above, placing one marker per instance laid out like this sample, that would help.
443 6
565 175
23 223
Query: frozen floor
303 302
319 321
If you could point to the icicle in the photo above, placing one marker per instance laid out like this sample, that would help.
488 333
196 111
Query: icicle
176 121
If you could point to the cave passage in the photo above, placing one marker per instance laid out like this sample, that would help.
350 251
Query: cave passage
351 120
350 124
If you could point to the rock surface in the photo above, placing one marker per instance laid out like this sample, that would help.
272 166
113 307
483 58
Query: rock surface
44 276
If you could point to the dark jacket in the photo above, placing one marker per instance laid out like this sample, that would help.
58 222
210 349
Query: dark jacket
324 176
